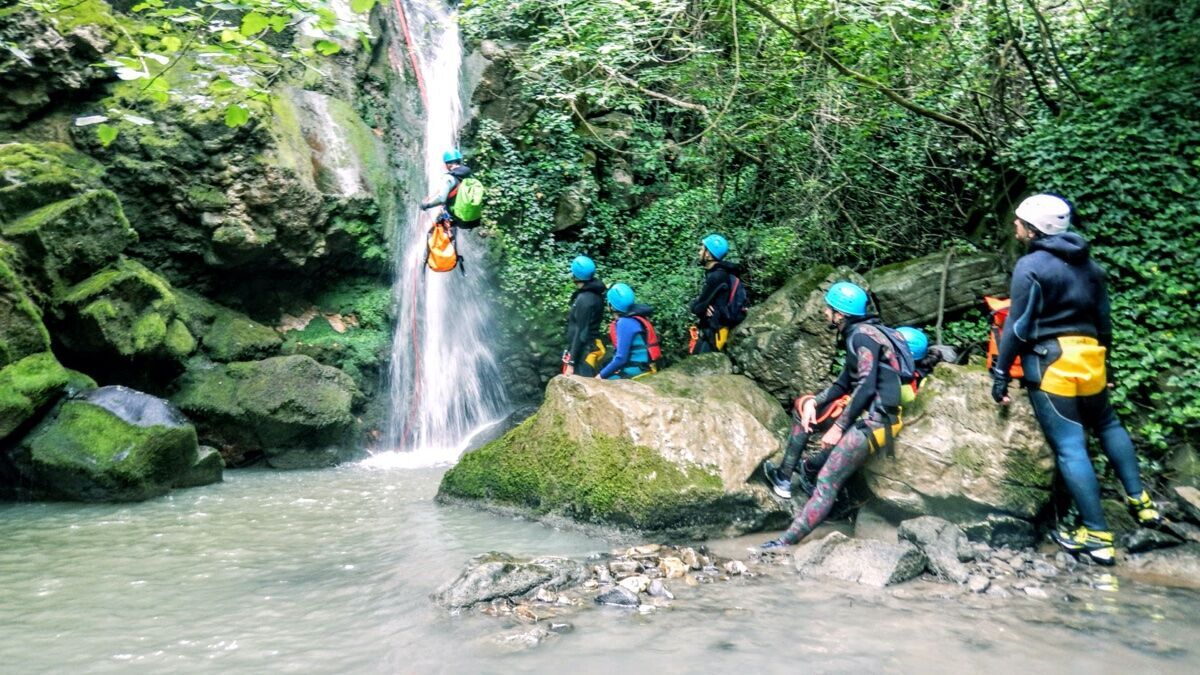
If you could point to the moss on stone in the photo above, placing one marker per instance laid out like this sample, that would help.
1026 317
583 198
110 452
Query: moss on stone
362 349
127 310
65 241
21 329
1026 484
35 174
26 387
234 337
88 453
603 480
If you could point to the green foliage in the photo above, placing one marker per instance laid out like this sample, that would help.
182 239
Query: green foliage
1129 158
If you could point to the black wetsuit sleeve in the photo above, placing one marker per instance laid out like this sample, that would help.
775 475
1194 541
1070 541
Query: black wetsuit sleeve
866 355
1026 294
714 282
583 313
1103 309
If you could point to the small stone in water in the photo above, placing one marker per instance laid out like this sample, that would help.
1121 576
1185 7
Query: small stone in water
1036 592
603 576
637 584
591 583
690 580
1044 569
735 567
689 558
672 568
618 596
545 595
561 628
659 590
624 568
977 583
525 615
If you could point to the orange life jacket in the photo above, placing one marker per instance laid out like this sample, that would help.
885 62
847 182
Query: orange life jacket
653 350
999 308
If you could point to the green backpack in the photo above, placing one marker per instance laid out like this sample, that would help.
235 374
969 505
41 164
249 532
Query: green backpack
468 200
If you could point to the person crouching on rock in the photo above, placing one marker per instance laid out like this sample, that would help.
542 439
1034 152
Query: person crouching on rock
584 348
635 344
1060 326
870 418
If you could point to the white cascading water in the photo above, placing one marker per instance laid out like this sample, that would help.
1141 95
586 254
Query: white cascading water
445 382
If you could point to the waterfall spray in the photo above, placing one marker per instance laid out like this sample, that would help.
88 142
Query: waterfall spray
445 382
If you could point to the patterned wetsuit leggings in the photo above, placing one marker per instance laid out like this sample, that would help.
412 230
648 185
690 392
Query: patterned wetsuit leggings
844 459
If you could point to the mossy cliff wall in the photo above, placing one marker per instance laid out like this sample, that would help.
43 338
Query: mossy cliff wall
154 258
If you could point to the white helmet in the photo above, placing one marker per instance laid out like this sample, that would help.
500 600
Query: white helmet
1047 213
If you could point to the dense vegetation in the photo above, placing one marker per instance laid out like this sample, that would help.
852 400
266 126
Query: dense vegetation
856 133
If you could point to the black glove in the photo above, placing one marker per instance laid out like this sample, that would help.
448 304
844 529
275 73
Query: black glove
1000 382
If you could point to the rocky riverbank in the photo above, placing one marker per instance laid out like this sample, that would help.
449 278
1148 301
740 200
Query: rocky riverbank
535 600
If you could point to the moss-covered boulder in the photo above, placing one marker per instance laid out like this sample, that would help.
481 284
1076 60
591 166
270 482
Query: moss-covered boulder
673 453
349 328
66 241
21 329
125 310
113 445
33 175
785 343
291 410
961 457
909 292
26 387
226 335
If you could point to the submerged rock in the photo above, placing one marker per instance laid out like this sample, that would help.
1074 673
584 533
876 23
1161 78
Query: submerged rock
961 457
498 575
126 446
295 411
670 452
1177 566
1002 531
943 543
867 562
785 343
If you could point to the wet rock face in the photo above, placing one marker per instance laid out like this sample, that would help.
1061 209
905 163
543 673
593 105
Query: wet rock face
785 344
673 452
291 409
86 452
909 291
867 562
49 60
961 457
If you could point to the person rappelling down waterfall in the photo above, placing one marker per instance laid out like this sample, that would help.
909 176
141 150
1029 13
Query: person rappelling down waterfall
461 196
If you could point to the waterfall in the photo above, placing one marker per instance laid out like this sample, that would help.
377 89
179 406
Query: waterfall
445 382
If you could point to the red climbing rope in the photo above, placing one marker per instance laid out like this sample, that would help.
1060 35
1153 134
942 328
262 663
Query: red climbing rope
412 51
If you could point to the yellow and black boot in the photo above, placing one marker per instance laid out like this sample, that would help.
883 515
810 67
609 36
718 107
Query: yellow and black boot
1144 510
1095 544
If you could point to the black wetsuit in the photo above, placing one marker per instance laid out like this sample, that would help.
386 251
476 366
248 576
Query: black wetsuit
583 324
718 280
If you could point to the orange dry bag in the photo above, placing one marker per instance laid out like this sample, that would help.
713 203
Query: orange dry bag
999 308
443 257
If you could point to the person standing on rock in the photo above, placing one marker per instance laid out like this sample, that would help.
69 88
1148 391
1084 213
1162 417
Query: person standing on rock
635 344
457 174
1061 328
721 304
584 348
869 419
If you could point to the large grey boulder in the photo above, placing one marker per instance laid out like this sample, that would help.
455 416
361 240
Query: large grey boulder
961 457
943 543
498 575
674 452
864 561
785 344
113 444
908 292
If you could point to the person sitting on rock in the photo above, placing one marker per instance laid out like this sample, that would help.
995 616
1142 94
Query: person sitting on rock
713 320
1060 326
869 418
635 344
456 173
584 348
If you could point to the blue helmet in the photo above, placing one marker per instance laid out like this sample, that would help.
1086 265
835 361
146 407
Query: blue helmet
621 297
918 344
583 268
452 155
717 245
847 298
